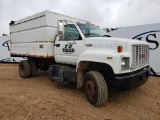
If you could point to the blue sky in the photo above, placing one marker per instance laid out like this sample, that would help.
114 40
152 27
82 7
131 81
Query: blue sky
105 13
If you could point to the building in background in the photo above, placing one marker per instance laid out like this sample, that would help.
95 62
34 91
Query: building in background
149 33
5 50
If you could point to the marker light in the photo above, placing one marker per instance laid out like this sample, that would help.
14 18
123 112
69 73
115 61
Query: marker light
119 48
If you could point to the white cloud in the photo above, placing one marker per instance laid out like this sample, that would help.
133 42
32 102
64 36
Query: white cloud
106 13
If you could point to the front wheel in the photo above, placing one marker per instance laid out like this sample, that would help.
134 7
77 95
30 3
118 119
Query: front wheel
95 88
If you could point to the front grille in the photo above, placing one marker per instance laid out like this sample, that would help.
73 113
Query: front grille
140 55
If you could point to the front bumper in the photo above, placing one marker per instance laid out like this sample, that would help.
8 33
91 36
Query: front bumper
126 82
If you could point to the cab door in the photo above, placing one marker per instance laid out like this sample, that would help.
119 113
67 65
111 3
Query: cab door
68 49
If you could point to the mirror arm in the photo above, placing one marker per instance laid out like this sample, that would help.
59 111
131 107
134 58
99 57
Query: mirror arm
55 39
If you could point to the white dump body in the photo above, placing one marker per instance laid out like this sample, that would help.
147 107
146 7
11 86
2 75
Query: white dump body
34 35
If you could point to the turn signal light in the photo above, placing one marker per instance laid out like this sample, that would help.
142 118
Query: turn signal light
119 48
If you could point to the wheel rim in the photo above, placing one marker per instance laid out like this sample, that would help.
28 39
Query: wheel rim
90 89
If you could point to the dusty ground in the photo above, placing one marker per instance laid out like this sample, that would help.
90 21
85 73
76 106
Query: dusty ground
39 98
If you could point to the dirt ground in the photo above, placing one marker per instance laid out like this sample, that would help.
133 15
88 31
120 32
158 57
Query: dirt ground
39 98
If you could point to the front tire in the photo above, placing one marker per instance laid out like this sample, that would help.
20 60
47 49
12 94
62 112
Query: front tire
95 88
24 69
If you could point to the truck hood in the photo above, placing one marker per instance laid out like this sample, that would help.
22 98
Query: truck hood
110 43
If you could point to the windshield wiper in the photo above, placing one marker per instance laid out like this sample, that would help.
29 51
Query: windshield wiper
106 36
89 35
92 35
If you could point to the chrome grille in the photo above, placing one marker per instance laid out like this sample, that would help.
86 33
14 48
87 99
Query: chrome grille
140 55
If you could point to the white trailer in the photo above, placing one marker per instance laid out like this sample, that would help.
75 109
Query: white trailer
149 33
5 51
80 52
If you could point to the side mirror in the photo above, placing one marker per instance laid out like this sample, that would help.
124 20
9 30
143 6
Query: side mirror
60 29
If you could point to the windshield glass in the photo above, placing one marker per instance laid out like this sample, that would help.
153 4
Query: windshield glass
92 31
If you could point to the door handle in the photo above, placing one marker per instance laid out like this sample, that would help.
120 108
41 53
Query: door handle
57 45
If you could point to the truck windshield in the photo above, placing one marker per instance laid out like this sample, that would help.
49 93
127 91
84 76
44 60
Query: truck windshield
92 31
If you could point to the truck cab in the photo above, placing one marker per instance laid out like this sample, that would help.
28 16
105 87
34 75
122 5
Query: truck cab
123 63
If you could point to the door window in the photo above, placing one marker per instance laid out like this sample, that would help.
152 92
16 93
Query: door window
71 32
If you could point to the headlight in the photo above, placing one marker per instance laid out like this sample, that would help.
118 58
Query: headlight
125 63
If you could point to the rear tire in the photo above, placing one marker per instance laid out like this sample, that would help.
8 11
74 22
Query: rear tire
33 68
95 88
24 69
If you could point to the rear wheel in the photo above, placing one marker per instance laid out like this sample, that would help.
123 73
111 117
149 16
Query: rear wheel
95 88
33 68
24 69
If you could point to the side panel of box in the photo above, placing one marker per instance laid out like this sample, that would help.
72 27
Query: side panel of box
44 50
34 23
42 34
45 18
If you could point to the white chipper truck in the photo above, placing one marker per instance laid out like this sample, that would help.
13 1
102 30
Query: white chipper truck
73 50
